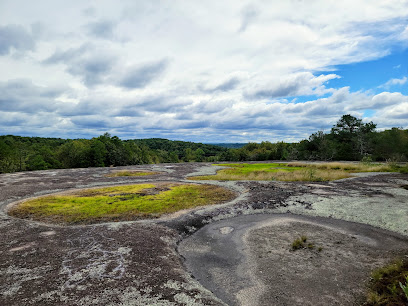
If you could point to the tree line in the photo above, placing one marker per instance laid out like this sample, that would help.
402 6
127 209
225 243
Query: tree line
35 153
349 139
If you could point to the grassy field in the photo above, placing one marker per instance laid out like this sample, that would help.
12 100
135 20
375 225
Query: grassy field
120 203
314 172
130 173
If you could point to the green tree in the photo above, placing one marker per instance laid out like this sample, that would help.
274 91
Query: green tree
199 155
352 137
189 155
75 154
391 145
9 161
97 153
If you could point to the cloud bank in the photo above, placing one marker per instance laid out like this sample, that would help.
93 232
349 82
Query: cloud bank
208 72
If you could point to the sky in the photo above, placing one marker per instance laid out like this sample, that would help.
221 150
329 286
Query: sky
202 71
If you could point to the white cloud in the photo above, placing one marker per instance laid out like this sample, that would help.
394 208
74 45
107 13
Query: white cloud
394 82
212 69
387 99
404 34
297 84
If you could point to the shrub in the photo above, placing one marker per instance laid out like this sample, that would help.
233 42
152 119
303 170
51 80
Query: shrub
386 287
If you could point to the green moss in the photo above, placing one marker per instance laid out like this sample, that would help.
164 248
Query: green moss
120 203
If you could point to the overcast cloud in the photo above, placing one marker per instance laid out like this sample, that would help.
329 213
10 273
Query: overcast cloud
208 71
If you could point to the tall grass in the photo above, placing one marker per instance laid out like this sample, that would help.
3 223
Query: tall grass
311 175
297 171
350 167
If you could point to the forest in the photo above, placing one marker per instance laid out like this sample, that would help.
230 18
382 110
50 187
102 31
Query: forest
349 139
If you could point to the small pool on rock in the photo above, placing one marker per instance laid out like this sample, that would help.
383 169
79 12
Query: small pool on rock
250 260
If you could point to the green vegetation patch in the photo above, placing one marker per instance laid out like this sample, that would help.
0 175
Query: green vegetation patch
120 203
313 172
130 173
244 171
301 243
388 283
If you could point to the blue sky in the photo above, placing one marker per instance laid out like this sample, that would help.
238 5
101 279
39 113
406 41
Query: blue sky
372 75
212 71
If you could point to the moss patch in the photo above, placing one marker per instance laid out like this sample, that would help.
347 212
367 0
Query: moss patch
120 203
130 173
293 171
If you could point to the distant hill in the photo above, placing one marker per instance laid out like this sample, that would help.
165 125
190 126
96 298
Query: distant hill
179 147
230 145
19 153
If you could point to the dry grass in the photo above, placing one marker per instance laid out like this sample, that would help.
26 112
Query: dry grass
130 173
349 167
306 175
274 172
120 203
297 171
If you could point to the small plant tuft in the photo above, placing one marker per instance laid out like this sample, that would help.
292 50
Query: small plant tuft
310 246
405 287
297 244
367 160
300 243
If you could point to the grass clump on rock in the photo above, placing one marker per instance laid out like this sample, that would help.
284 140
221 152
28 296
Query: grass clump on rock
295 171
387 284
299 243
120 203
